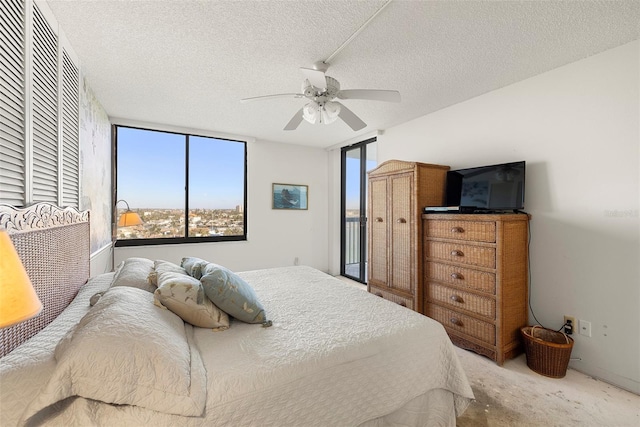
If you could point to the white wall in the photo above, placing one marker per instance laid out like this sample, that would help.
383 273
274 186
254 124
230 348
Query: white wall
95 176
274 237
335 182
101 260
95 167
577 127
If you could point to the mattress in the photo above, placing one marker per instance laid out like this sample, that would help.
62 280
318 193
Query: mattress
334 355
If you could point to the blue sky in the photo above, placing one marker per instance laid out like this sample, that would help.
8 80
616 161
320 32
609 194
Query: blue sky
151 170
353 181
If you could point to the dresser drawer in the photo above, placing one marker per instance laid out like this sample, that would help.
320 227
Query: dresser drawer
461 276
480 256
403 301
465 324
445 295
477 231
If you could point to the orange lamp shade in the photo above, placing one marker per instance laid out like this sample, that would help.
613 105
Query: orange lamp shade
18 299
129 219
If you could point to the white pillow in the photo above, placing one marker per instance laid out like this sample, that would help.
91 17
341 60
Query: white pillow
161 266
184 296
134 272
129 352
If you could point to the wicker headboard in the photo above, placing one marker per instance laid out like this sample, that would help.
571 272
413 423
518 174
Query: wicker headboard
53 244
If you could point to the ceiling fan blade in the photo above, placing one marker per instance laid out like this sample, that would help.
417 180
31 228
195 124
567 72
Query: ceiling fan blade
279 95
350 118
315 77
370 94
295 121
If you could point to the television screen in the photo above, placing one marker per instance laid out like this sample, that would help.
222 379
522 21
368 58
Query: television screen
494 187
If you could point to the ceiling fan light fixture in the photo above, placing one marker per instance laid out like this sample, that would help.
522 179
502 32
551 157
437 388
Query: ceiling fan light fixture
310 112
321 113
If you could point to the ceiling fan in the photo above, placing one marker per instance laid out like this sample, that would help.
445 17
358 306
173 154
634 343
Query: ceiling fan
321 91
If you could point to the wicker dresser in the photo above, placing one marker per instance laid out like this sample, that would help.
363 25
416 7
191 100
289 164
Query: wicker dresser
398 191
476 276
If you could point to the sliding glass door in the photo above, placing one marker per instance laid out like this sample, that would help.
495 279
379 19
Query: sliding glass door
357 159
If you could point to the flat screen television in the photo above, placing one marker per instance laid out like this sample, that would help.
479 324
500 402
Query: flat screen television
487 188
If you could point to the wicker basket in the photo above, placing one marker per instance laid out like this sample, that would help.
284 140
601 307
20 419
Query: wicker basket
548 351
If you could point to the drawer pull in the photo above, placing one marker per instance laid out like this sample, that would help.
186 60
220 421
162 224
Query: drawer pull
378 294
402 303
456 252
456 321
378 219
457 230
456 298
401 221
457 276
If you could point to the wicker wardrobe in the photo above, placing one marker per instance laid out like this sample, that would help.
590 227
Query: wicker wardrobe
398 192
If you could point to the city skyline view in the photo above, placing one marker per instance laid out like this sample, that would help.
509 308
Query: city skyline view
170 223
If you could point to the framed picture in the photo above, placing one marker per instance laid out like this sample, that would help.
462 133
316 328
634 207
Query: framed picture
290 196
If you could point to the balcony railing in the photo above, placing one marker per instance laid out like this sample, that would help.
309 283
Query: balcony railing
352 247
352 240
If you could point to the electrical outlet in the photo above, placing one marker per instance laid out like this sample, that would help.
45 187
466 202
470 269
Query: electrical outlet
571 319
585 328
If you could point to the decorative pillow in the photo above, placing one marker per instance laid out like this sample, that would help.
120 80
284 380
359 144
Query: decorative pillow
209 267
193 266
134 272
160 266
184 287
184 296
127 351
232 294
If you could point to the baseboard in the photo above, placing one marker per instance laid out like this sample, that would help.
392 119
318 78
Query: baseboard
609 377
101 261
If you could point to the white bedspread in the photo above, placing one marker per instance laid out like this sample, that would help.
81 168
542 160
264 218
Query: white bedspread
24 371
335 356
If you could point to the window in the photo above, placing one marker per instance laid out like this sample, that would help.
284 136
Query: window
185 188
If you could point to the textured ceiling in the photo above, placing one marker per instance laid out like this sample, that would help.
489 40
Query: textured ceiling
188 63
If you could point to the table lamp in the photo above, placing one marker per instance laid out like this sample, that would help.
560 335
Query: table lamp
18 299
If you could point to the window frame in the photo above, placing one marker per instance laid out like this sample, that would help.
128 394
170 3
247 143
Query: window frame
186 239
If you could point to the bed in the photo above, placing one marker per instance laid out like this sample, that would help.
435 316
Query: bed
325 354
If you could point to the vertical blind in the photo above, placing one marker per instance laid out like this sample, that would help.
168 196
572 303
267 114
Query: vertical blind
39 107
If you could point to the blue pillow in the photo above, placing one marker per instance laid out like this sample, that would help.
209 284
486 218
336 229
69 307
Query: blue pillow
232 294
193 266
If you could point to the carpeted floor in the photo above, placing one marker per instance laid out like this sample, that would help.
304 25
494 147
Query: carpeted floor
514 395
